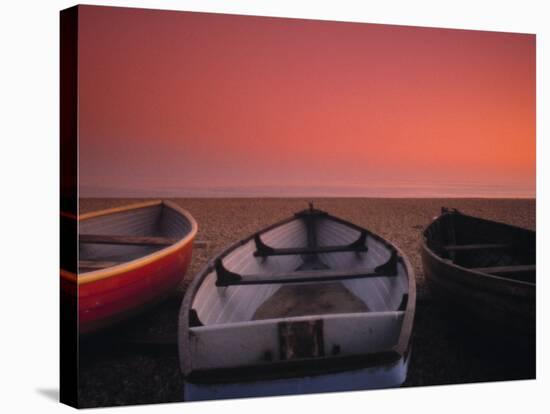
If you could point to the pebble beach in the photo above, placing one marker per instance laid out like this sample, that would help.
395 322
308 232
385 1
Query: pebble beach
118 371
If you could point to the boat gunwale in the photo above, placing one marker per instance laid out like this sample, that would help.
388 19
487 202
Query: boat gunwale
113 271
401 349
488 277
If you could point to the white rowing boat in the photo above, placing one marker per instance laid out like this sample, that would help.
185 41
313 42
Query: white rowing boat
310 304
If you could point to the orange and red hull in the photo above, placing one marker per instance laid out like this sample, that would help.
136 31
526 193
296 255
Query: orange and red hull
106 301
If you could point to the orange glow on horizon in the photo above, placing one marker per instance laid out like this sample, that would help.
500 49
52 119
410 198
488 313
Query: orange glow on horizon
182 99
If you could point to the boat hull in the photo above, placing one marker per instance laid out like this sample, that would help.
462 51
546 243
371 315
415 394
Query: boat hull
486 301
374 377
104 302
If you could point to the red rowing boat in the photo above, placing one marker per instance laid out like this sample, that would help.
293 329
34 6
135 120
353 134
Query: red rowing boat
128 258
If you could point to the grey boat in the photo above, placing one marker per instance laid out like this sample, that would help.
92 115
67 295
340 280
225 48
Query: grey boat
484 269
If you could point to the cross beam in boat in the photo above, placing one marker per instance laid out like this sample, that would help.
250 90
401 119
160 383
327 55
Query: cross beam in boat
226 277
483 246
504 270
126 240
263 250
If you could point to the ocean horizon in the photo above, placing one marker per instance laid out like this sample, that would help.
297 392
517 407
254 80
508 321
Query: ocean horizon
463 190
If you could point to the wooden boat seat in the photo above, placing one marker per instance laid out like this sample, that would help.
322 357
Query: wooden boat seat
469 247
302 300
126 240
263 250
227 278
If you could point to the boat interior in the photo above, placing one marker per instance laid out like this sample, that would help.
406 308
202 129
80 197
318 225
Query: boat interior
119 237
311 265
484 246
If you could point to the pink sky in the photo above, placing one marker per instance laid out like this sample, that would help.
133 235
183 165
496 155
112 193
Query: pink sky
172 101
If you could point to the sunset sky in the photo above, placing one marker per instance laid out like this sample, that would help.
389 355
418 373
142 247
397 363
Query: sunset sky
175 103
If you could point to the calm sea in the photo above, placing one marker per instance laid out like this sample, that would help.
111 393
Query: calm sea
387 190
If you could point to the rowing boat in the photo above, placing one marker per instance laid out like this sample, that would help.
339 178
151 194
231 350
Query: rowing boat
483 267
310 304
128 259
